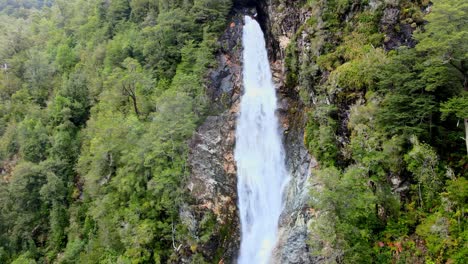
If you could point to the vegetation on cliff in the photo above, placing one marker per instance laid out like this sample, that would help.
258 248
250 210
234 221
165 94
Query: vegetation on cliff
385 121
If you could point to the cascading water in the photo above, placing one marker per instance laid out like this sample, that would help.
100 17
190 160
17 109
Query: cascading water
259 152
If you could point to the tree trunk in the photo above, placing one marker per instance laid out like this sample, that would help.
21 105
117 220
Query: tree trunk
420 196
466 134
131 92
135 106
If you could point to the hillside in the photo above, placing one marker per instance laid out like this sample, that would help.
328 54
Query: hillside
118 130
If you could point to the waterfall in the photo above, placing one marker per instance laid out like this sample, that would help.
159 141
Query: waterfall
258 153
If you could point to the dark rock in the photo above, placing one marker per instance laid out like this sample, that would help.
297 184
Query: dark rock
397 33
245 3
390 16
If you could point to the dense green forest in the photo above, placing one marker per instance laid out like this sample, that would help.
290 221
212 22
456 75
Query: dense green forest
387 127
99 98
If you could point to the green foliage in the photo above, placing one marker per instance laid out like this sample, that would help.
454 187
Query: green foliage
359 73
210 13
407 107
9 142
172 30
422 162
291 62
383 126
117 11
320 135
24 259
446 36
141 9
24 206
97 102
71 253
346 204
33 140
38 74
65 57
456 105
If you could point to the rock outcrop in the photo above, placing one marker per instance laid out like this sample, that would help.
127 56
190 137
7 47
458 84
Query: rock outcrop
212 218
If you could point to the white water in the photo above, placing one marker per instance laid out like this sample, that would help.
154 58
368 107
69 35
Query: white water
259 153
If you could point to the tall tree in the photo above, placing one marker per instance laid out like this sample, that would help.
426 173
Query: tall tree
444 40
458 106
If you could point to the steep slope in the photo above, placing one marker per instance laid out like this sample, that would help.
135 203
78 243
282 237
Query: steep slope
361 105
117 129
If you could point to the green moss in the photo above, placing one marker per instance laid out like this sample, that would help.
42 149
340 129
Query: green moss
319 134
291 64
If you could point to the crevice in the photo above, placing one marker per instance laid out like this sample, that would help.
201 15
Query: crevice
260 10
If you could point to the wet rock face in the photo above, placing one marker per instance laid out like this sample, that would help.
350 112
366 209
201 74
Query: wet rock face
280 19
293 232
282 22
294 244
211 162
399 27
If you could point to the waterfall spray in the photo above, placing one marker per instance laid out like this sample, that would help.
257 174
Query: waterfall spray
259 152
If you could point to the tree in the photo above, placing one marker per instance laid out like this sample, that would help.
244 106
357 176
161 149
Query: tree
72 102
26 213
407 107
422 161
445 36
164 41
118 11
444 41
211 13
38 74
346 206
141 8
92 152
134 83
65 57
33 140
458 106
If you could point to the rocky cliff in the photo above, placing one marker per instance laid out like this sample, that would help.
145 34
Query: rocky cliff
212 182
212 218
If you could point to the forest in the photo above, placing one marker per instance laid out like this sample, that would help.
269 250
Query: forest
393 169
98 100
